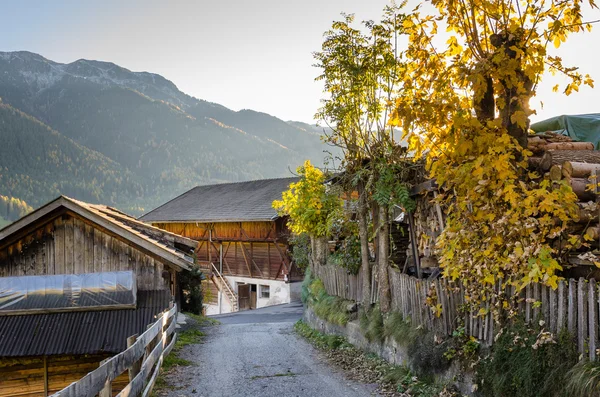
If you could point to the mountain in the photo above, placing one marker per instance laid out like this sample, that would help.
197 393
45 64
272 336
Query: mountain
129 139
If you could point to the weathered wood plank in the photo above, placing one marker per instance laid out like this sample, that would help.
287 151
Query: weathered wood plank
572 307
59 246
98 241
79 246
592 319
88 250
582 306
562 306
69 246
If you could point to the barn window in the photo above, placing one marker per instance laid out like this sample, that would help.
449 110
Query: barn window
265 291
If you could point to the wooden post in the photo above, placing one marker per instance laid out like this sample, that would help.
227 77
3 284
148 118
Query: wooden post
45 376
592 318
413 240
107 389
136 366
572 307
582 321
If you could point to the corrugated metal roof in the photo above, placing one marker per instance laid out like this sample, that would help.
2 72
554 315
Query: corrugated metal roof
227 202
87 332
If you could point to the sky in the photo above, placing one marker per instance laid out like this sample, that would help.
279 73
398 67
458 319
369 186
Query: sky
239 53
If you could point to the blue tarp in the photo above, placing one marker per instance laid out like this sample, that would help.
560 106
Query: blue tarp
581 128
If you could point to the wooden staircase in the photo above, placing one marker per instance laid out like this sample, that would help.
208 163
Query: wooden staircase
222 284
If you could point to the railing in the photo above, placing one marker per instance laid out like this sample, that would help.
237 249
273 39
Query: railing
224 282
142 359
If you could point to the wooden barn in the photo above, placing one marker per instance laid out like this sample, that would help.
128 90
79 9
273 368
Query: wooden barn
243 243
54 325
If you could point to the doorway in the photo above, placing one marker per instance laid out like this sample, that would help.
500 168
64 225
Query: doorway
247 294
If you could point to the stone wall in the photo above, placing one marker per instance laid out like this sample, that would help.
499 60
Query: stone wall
389 350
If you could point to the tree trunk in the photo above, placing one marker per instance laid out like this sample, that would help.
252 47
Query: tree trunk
534 162
555 173
574 169
363 234
588 213
319 251
570 146
580 188
552 157
383 259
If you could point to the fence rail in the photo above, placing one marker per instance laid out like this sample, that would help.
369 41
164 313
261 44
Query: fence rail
574 305
142 360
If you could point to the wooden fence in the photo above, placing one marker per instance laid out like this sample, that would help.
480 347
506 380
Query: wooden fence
574 305
142 360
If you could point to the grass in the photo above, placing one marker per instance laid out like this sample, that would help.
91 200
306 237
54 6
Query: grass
371 324
369 368
519 365
584 379
330 308
190 336
399 329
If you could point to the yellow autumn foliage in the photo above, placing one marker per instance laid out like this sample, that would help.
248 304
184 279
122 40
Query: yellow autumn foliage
465 108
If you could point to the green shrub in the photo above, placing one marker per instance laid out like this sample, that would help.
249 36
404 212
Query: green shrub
301 250
584 379
305 293
399 329
347 254
425 355
371 324
191 289
520 365
330 308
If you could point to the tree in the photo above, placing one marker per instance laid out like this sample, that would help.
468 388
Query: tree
361 70
465 108
308 203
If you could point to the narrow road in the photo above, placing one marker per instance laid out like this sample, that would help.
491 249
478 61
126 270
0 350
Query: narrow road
257 353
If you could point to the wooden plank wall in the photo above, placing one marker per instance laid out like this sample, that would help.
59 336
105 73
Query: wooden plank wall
222 230
254 259
24 377
574 305
250 249
70 246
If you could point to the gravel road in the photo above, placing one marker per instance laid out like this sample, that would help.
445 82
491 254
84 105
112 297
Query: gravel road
257 353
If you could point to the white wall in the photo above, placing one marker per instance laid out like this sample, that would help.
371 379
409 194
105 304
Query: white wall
279 290
225 306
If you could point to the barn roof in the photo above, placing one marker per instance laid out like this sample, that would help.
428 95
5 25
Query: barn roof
148 238
227 202
83 332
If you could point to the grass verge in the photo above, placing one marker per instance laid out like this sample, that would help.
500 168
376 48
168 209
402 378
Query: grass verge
191 335
330 308
392 380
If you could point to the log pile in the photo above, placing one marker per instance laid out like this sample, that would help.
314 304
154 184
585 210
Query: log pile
559 158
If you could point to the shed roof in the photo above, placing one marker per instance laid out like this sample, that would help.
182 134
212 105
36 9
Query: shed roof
84 332
227 202
146 237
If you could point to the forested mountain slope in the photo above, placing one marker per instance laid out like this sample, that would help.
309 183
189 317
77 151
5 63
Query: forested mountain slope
129 139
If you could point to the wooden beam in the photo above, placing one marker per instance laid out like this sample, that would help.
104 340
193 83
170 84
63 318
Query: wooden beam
252 260
246 259
45 376
284 257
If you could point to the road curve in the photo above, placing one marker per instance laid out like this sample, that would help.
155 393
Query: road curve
256 353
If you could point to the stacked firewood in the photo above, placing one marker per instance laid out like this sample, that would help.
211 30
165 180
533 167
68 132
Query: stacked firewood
577 163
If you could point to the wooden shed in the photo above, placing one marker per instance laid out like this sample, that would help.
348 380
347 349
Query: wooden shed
239 233
42 351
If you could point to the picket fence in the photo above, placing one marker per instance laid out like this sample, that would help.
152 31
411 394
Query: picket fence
574 305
